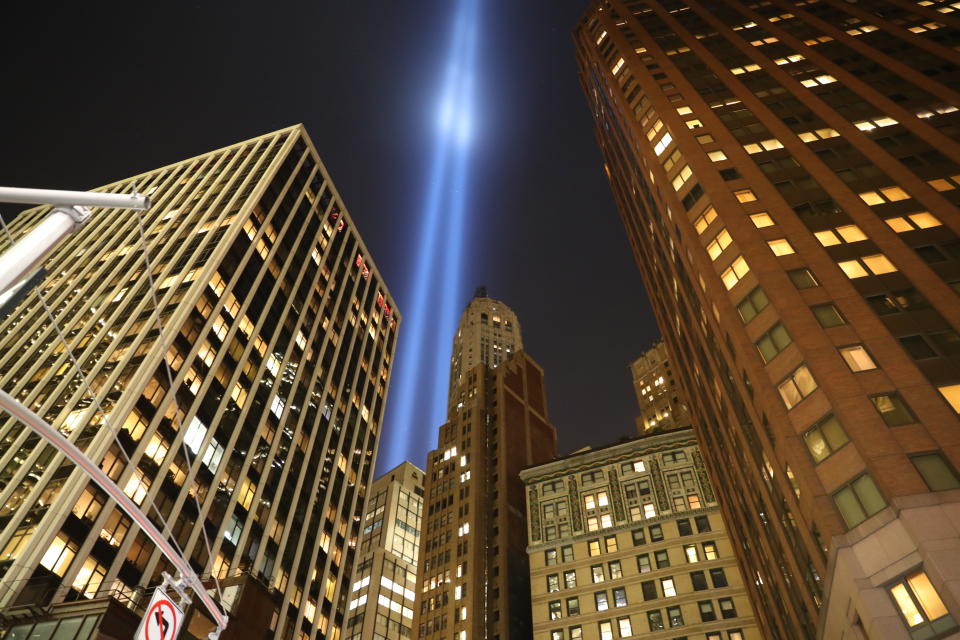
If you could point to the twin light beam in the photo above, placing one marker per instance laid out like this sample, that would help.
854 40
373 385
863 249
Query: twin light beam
419 395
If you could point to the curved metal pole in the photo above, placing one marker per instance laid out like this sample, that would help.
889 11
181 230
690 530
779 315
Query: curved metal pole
54 437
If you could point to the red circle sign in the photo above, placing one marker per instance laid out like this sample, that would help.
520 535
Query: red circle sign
161 621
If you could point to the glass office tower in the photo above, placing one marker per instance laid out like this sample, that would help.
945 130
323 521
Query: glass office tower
247 423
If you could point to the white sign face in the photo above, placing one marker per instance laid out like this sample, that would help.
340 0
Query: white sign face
163 618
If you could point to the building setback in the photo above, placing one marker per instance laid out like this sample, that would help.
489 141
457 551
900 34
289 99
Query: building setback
661 406
382 594
788 173
473 579
627 541
279 335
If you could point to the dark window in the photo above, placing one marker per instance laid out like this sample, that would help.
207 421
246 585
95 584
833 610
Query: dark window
893 409
718 577
643 563
773 342
663 560
683 527
936 471
703 524
828 315
656 533
706 611
802 278
649 588
699 580
655 620
638 537
917 347
755 302
727 610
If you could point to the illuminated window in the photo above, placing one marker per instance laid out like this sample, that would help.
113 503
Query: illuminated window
600 599
59 554
745 195
827 237
137 486
663 143
554 610
894 194
717 156
848 233
825 438
606 630
611 543
871 198
682 177
857 358
877 264
704 220
710 551
618 66
919 220
858 500
761 220
951 394
721 242
596 573
853 269
797 386
626 629
735 272
920 606
780 247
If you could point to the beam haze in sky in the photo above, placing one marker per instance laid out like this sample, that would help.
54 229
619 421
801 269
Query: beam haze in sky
418 399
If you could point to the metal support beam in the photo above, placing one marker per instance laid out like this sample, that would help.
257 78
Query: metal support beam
62 198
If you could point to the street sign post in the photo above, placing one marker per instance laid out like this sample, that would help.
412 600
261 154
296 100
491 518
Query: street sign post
162 620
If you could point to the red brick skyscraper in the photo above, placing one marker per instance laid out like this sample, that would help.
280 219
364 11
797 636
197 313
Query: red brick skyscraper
788 175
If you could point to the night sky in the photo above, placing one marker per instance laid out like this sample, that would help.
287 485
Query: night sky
96 92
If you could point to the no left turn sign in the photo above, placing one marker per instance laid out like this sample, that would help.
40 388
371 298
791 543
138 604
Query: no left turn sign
162 620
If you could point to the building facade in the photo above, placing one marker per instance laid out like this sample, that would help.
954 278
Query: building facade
488 333
788 174
473 578
661 406
246 426
628 541
382 594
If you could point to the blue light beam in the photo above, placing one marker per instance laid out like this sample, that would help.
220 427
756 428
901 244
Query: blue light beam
418 399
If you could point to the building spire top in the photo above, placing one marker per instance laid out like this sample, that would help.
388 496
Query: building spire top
480 292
